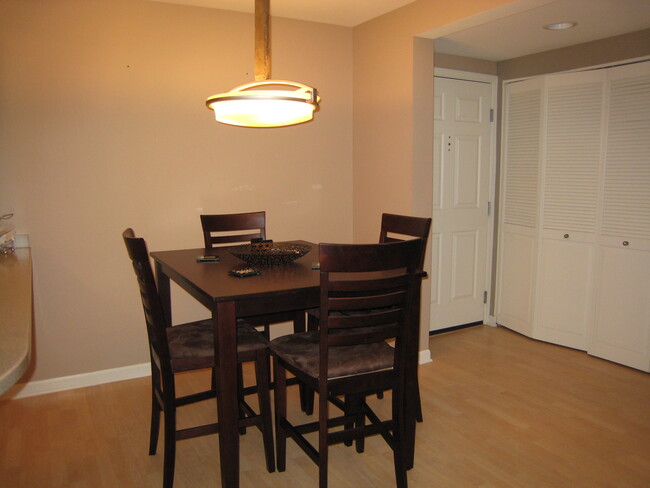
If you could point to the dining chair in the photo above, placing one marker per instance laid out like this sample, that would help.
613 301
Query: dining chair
394 228
369 294
227 229
189 347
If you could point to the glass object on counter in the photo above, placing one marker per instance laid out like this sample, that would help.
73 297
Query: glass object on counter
7 235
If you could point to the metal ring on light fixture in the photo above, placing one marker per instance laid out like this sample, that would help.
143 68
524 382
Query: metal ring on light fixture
236 93
265 108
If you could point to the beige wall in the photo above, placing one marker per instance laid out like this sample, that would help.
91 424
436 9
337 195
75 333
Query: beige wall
103 126
385 105
462 63
603 51
392 112
393 115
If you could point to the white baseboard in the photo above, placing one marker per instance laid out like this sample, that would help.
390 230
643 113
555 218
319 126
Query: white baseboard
491 320
42 387
425 357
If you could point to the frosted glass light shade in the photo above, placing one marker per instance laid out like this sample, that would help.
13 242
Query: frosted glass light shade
255 105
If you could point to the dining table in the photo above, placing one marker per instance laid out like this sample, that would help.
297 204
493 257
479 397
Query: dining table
289 287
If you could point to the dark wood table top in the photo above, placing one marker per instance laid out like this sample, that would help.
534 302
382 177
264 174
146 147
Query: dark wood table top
290 287
210 282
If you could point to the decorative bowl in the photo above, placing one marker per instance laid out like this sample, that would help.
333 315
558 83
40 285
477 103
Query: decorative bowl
276 254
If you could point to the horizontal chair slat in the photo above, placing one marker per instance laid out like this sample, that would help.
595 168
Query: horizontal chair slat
197 431
347 339
383 283
229 239
389 316
304 444
368 302
366 431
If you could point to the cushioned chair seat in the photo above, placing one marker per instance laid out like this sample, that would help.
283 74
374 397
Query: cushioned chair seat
302 351
192 344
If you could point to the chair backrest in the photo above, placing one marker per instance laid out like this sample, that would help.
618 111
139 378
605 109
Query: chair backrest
151 302
232 228
393 225
370 293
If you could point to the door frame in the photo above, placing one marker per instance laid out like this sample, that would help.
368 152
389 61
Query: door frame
490 261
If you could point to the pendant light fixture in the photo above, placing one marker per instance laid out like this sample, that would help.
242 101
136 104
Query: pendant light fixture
265 102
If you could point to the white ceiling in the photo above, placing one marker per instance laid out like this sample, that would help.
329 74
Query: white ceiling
523 33
513 31
339 12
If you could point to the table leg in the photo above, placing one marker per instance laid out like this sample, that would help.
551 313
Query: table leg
162 281
306 395
412 384
225 346
299 322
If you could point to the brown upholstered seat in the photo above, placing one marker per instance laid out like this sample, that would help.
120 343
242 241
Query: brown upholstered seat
302 351
191 345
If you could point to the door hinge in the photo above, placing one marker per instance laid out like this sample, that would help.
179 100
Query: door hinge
491 115
485 297
489 208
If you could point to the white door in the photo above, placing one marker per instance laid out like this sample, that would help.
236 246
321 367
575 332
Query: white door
573 135
621 331
519 208
463 146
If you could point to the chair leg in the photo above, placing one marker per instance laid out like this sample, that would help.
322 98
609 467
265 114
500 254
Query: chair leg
359 402
399 439
398 457
418 413
312 322
280 415
264 400
306 399
412 410
169 458
349 410
354 408
240 394
323 417
306 395
155 423
418 404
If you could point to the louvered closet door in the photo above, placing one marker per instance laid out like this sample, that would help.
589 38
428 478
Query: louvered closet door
622 327
519 203
570 202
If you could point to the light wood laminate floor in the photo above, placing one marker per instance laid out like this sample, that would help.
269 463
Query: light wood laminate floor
501 411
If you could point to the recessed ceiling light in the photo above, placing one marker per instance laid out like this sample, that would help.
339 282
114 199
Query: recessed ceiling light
560 25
